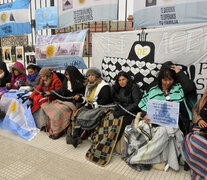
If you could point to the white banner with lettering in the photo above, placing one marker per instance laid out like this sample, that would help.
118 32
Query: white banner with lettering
152 13
72 12
144 52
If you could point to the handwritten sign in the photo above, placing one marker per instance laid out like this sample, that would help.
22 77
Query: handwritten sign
163 113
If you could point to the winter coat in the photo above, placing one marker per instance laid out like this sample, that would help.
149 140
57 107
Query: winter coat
34 83
129 102
21 77
7 76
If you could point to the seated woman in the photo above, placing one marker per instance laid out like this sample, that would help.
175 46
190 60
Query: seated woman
18 76
126 95
97 93
172 85
48 81
33 77
5 77
194 146
56 115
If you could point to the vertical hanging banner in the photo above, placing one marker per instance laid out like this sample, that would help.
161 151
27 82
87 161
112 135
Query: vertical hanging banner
72 12
46 18
61 50
153 13
14 18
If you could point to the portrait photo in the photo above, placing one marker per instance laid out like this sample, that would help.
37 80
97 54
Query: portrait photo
30 58
20 53
67 4
151 3
7 54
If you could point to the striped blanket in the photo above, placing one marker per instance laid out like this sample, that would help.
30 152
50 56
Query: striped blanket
55 116
194 151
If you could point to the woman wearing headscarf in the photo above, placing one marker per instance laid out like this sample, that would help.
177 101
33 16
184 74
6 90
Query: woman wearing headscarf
18 76
55 115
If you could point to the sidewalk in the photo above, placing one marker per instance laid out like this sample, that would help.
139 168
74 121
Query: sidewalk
47 159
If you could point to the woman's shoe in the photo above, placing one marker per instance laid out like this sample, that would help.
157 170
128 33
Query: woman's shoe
74 141
186 167
56 136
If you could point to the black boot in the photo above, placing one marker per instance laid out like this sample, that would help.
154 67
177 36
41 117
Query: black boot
74 141
2 114
186 167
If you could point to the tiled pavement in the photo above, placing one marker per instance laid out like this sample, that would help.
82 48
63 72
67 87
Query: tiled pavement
46 159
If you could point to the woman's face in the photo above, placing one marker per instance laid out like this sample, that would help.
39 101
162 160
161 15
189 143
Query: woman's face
16 73
122 81
44 78
92 78
167 83
1 71
31 72
67 76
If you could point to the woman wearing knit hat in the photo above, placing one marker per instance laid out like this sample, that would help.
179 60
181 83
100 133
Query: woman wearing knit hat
18 76
56 115
97 93
48 81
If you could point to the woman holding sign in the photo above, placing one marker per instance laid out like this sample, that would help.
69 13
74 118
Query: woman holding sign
172 85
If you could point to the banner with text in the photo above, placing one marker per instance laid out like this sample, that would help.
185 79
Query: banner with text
14 18
152 13
142 52
72 12
61 50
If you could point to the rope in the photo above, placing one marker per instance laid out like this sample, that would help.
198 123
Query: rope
126 110
63 97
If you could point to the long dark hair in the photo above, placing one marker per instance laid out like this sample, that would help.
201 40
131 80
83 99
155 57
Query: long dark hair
76 79
166 73
128 86
34 67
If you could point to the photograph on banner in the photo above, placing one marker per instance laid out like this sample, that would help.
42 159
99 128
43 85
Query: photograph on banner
46 18
154 13
30 58
20 54
61 50
163 113
142 53
15 18
7 54
82 11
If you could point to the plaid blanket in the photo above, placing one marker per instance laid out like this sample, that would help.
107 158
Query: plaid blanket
55 116
194 151
104 139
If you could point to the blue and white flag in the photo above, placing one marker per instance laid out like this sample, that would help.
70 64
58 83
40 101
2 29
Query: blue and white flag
46 18
72 12
61 50
14 18
154 13
18 119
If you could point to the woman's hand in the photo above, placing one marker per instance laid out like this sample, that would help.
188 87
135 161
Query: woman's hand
76 97
8 84
175 68
202 123
146 119
47 93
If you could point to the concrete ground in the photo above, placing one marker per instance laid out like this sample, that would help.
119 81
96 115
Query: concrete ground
45 159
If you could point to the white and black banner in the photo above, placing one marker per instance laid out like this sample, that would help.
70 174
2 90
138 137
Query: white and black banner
142 52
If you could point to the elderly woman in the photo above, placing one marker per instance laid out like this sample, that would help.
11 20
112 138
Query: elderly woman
194 146
18 76
56 115
48 81
97 93
172 85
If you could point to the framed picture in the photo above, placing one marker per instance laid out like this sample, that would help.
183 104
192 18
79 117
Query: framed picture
30 58
7 54
20 54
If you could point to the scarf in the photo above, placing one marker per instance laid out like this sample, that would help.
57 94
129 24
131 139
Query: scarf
2 75
70 86
32 78
90 87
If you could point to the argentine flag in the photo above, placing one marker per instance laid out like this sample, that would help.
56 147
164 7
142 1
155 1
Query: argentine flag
14 18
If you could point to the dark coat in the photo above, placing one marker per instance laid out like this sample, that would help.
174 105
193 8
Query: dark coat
7 76
129 102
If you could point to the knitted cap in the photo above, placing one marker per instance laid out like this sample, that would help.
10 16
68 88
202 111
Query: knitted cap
93 71
46 71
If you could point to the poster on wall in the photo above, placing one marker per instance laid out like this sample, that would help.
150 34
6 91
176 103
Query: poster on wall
154 13
7 54
142 53
20 54
82 11
61 50
30 58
